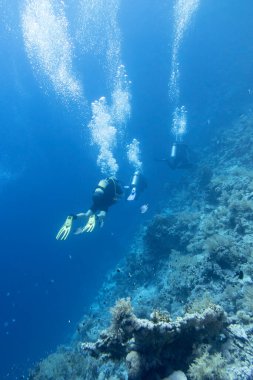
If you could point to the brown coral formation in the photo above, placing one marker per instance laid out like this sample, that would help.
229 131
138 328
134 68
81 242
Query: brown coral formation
149 346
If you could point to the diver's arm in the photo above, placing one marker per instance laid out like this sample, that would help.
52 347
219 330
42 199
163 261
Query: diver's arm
82 215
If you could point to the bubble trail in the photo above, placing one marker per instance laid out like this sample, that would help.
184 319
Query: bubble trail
99 34
48 45
108 122
133 154
179 123
183 13
121 97
103 134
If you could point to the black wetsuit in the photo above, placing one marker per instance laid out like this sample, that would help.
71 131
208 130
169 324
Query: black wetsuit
182 158
103 200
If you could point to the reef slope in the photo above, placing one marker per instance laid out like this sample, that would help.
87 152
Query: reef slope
182 302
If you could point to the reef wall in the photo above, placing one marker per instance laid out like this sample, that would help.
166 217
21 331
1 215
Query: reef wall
184 292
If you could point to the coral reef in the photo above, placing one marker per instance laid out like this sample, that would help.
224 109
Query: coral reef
166 232
195 254
208 367
155 346
64 364
70 364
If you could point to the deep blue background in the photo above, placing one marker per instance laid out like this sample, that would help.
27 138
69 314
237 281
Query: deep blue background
46 285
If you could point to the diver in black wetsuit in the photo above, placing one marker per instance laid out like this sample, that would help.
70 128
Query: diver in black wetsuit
107 192
179 156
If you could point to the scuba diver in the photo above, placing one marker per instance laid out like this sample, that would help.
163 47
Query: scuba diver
107 193
179 156
138 184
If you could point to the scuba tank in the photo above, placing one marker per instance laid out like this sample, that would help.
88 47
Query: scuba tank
179 156
173 155
135 179
134 185
173 152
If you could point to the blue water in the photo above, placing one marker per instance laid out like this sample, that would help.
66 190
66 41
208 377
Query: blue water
48 167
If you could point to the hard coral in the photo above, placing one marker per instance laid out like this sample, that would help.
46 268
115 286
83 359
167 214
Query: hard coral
65 364
208 367
154 346
161 236
167 232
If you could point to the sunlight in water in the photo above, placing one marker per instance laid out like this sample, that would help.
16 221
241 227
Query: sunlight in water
45 33
179 122
183 12
104 136
133 154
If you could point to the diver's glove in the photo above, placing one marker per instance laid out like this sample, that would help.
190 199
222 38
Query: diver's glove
65 229
90 225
